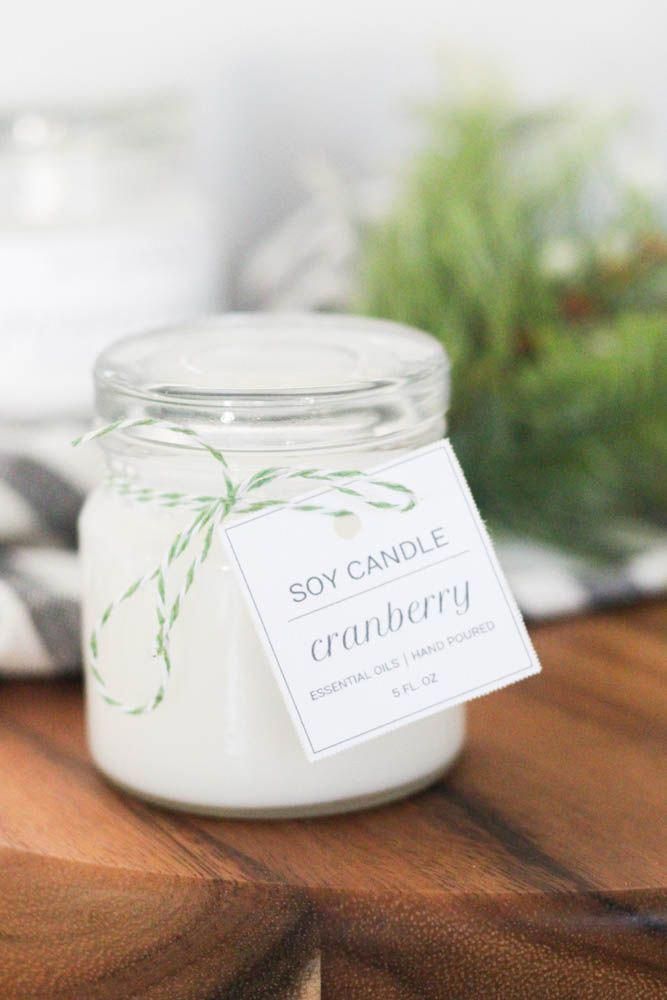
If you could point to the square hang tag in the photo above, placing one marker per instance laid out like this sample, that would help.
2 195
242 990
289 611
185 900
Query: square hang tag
378 619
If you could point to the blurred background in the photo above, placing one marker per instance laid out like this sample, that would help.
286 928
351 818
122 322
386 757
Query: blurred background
495 174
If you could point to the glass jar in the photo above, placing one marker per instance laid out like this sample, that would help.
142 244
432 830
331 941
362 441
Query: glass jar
326 392
104 227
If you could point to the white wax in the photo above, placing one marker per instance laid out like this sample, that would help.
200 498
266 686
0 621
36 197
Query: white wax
222 739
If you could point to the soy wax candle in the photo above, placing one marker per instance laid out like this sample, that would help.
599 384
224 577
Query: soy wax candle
204 726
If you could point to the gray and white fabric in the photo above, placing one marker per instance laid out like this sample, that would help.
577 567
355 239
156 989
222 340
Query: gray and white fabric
43 482
39 611
551 584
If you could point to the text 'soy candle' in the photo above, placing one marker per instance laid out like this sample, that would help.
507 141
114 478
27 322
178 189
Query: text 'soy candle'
184 706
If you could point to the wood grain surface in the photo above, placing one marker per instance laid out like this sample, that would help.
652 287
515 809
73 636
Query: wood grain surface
536 869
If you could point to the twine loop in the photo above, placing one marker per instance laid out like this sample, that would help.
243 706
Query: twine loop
208 512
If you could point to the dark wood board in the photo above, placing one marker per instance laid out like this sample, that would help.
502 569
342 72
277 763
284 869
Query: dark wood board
536 869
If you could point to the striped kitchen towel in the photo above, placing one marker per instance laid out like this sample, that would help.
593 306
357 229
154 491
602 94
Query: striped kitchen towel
43 482
39 611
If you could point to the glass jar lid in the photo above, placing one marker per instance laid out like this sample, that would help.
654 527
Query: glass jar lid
265 382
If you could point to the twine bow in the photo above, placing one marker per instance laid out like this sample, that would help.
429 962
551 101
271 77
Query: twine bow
209 512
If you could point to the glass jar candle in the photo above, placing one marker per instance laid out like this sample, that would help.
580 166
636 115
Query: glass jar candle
305 391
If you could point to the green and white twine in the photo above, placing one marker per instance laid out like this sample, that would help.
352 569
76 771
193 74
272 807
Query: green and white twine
209 511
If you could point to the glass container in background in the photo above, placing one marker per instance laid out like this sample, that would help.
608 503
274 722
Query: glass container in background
104 229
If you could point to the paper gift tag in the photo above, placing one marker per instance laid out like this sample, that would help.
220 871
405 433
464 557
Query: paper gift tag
375 620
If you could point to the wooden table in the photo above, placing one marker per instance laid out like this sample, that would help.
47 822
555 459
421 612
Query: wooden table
538 869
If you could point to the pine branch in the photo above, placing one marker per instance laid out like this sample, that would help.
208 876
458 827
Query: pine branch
559 367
